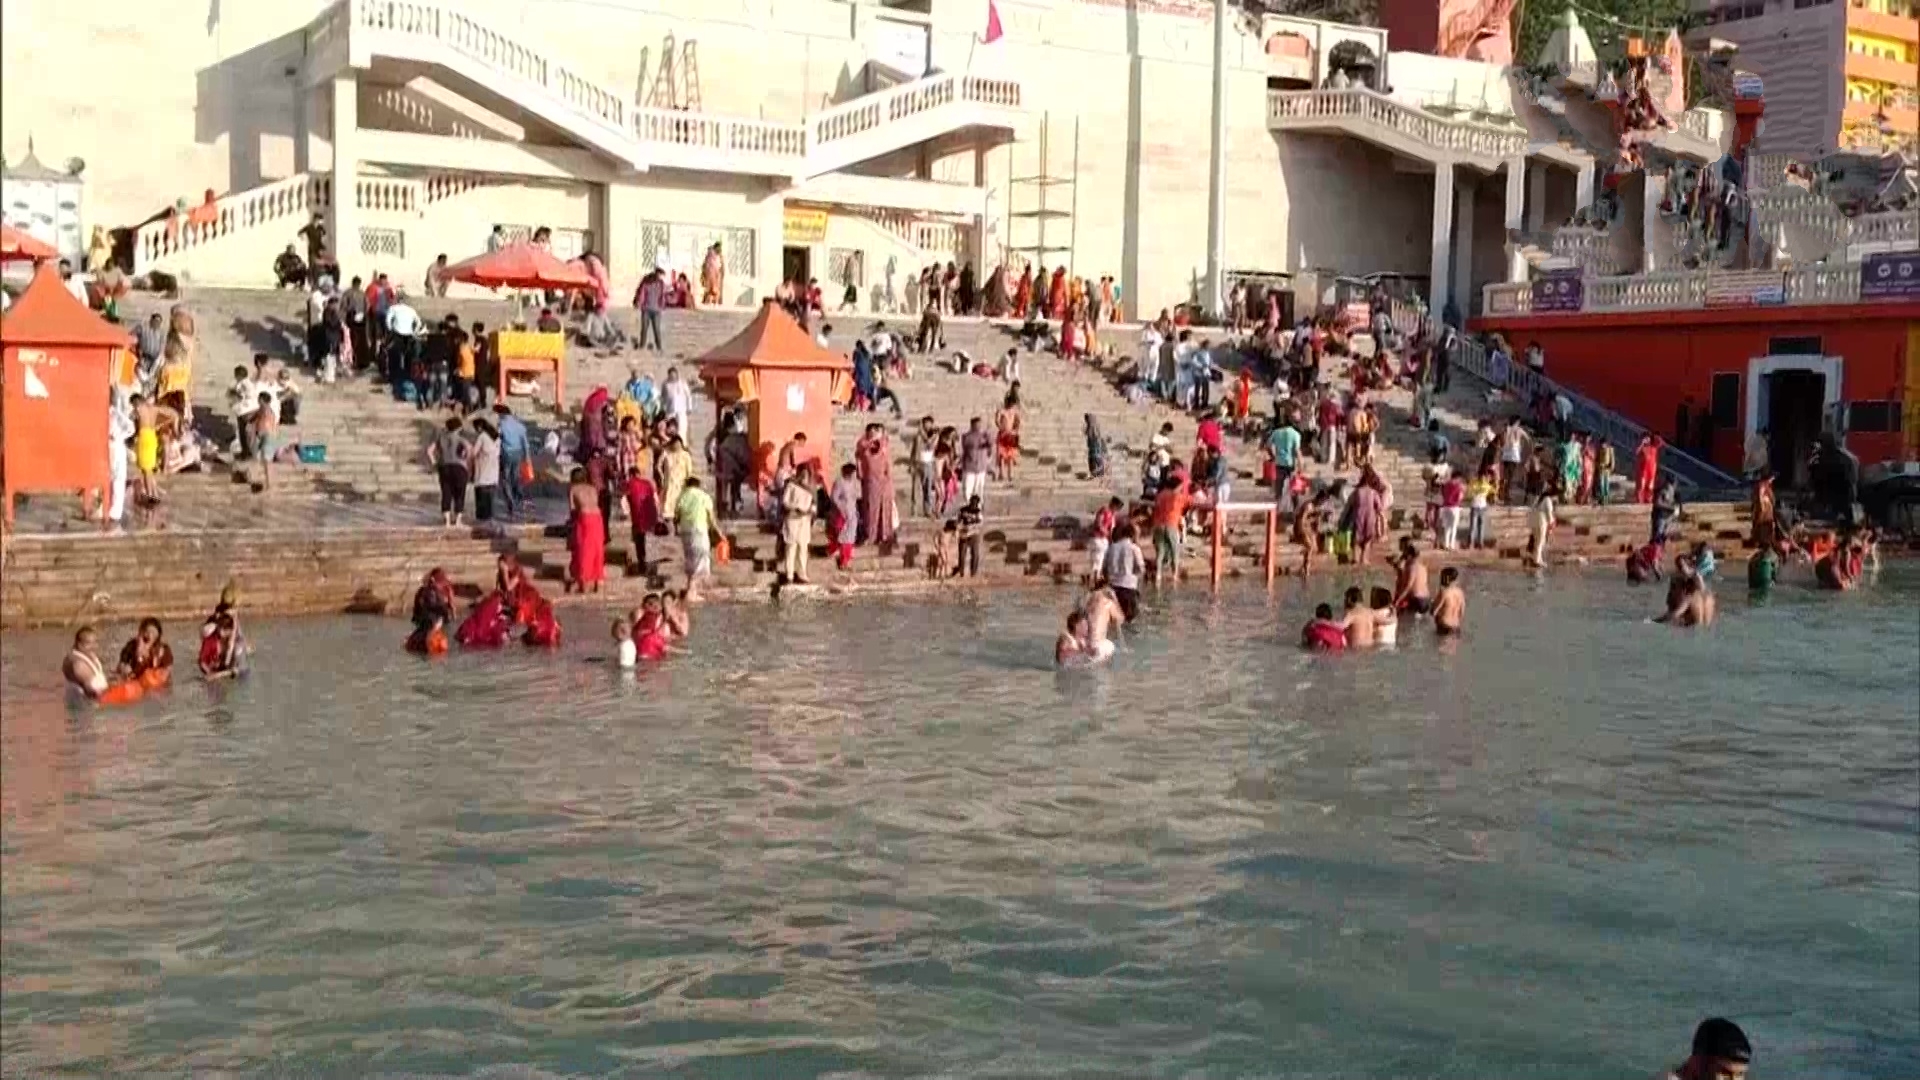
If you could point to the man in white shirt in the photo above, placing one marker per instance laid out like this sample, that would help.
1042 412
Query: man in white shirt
676 399
243 397
402 320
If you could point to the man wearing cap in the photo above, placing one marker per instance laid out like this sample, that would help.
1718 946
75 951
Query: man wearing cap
1720 1052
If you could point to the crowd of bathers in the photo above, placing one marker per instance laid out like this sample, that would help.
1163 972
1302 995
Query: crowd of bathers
515 607
145 663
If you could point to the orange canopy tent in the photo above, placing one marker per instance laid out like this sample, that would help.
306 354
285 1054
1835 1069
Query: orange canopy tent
56 367
789 382
18 246
520 266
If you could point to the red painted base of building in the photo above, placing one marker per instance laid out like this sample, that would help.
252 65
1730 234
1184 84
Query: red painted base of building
1786 371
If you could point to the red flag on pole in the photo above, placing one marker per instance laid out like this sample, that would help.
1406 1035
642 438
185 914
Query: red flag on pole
993 24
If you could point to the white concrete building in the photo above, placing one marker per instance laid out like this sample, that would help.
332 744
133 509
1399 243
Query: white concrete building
818 137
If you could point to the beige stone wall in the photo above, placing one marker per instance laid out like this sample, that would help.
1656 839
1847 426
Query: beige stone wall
162 98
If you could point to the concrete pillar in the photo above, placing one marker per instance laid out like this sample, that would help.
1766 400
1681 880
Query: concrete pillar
618 222
1463 247
1537 200
1516 215
1439 281
343 226
1651 250
1583 189
302 127
1215 294
767 244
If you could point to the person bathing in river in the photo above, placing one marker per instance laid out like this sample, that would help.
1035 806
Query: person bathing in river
1386 623
147 657
223 652
432 608
1070 648
1689 601
1323 634
1102 612
625 653
1450 609
1411 592
82 668
1358 621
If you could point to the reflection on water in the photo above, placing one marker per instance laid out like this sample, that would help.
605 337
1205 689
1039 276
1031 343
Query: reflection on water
887 840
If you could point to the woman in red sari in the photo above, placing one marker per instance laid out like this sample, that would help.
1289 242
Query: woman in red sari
587 536
877 523
1023 295
1057 294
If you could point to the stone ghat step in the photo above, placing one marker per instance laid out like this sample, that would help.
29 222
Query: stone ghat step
286 581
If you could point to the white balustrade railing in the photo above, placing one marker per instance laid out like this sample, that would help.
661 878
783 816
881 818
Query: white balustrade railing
290 202
721 134
1307 108
387 194
442 23
446 26
1676 291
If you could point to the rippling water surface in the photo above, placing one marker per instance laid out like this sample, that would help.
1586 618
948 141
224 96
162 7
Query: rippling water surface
884 839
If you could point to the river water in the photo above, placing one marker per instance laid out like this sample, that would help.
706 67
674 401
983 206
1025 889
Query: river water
884 839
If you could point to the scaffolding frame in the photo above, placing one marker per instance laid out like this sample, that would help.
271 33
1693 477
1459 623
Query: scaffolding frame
1041 182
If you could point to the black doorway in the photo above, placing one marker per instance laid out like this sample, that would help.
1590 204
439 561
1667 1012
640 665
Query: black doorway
796 265
1796 413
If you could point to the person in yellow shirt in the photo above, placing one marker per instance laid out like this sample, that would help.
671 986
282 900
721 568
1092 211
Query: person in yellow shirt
1479 494
464 366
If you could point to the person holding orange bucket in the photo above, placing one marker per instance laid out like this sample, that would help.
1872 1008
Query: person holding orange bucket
147 658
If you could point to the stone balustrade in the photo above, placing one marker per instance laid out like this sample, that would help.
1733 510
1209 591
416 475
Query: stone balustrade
1445 137
1676 291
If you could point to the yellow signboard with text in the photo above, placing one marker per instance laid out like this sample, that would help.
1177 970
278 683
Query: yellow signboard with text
803 225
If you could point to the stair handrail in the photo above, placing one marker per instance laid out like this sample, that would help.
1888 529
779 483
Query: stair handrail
709 131
448 27
1445 134
300 195
1698 477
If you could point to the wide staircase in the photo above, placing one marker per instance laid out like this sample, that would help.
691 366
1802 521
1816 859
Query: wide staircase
358 532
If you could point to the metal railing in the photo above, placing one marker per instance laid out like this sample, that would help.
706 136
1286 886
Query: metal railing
1698 478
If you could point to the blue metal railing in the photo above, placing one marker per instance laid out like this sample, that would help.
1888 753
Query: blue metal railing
1697 478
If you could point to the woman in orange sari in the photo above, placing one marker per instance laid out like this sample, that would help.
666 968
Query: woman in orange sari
1057 294
1023 295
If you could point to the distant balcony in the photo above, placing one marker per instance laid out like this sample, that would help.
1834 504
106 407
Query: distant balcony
1895 27
1879 69
1906 120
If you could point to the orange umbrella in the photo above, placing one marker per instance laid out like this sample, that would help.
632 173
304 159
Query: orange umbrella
520 266
17 246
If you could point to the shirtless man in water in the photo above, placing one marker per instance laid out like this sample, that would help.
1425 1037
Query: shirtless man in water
82 667
1450 610
1102 612
1689 601
1359 622
1411 591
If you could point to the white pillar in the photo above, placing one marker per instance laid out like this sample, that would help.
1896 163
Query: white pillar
1439 283
343 230
1516 215
1583 191
1537 200
1215 295
1651 249
302 126
1463 247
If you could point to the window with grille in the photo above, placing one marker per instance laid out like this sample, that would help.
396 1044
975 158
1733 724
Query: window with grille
683 246
847 266
1873 417
564 243
383 243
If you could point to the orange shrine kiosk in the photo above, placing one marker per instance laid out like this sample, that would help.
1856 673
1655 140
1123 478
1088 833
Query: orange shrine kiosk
57 358
789 382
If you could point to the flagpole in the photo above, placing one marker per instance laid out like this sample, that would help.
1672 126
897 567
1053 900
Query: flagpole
1215 297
